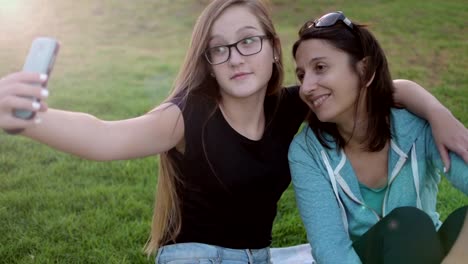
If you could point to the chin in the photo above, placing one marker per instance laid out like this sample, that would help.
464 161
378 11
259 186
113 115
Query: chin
322 117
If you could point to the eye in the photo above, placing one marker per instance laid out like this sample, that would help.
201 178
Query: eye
300 76
249 40
320 67
218 50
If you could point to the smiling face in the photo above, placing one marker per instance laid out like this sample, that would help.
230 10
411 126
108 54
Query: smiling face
241 76
329 85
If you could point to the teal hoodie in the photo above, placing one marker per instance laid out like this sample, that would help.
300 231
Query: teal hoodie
328 194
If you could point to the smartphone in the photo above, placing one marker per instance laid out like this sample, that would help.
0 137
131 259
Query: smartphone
40 59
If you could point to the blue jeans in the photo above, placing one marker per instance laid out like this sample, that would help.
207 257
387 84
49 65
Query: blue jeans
198 253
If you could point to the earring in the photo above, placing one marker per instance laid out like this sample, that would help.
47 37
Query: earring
212 75
276 59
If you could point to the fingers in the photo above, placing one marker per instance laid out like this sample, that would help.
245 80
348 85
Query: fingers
23 89
20 96
444 156
10 122
461 144
463 154
25 77
464 146
16 102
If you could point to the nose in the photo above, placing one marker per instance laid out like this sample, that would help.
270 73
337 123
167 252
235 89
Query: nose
235 58
309 84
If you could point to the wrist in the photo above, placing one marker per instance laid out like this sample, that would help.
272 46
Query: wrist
435 112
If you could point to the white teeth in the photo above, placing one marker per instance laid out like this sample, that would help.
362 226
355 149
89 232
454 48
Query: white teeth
317 102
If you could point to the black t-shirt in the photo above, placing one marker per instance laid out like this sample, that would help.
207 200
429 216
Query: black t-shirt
231 184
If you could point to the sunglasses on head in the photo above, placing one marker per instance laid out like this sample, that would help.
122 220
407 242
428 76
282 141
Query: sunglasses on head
327 20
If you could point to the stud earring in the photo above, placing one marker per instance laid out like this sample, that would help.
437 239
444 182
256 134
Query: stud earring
212 74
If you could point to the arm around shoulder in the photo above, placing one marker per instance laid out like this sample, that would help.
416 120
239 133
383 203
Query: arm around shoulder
449 133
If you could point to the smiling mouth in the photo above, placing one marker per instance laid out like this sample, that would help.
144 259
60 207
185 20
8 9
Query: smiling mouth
318 101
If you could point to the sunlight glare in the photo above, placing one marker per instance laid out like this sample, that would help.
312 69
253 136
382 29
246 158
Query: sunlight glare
8 7
20 22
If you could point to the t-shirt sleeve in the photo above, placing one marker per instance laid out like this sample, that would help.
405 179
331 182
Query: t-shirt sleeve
196 109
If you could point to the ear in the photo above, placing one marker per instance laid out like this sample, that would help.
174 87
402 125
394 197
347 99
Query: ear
362 68
276 50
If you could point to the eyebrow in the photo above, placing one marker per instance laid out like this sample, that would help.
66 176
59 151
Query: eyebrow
310 62
237 32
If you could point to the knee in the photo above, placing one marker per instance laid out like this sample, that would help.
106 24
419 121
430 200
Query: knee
409 219
460 212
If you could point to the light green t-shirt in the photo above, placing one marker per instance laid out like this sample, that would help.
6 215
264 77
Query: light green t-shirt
373 197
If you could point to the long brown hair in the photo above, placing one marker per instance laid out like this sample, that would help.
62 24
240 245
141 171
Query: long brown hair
359 44
194 75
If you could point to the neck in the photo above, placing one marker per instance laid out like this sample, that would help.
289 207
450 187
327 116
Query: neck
245 115
354 134
353 128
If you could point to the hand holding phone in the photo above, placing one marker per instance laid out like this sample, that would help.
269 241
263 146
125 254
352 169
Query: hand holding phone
40 59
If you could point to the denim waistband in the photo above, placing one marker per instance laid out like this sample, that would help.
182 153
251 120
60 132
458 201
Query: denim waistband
203 253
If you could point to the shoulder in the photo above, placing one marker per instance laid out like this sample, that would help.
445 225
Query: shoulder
406 127
404 122
195 107
403 117
304 143
192 99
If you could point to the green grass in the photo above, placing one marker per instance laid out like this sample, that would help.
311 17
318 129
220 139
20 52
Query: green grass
118 60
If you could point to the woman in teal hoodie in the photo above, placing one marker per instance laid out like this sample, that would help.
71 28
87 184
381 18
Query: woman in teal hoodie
365 174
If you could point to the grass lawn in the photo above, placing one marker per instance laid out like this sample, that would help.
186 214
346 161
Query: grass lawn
118 59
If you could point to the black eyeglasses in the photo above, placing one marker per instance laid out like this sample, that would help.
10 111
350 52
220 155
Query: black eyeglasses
246 47
327 20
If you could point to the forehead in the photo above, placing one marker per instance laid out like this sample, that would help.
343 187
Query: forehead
316 48
234 20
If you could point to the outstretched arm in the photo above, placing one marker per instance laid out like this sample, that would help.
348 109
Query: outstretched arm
449 133
82 134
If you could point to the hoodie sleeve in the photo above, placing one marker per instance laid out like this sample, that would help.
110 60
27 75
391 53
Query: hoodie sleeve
458 173
317 203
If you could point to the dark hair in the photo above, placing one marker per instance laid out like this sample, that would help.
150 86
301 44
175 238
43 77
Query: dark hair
358 43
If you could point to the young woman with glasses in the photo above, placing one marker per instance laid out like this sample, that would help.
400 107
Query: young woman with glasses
365 174
222 136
